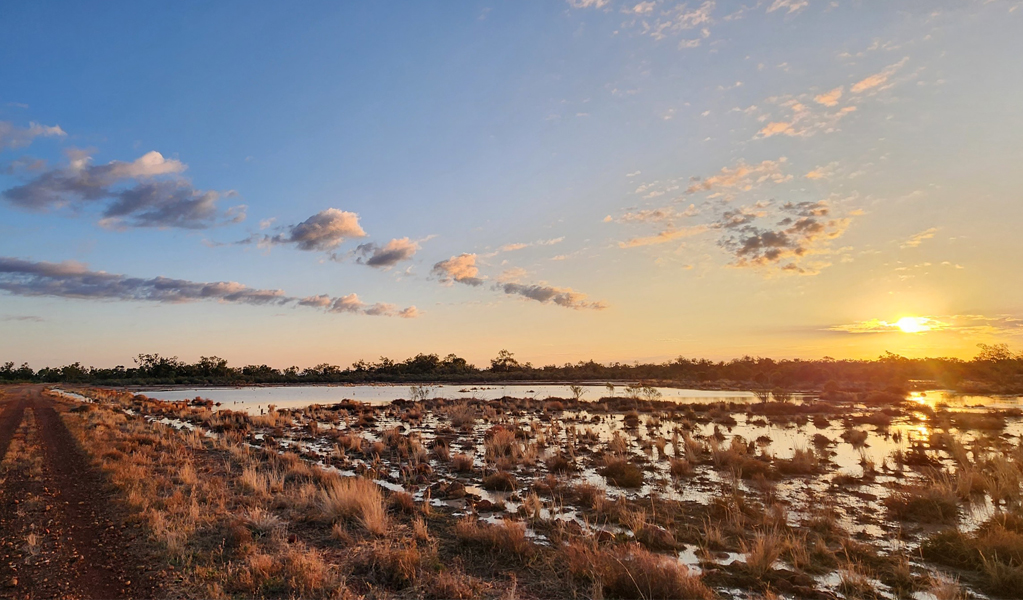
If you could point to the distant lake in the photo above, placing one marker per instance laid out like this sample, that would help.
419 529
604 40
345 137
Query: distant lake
252 399
256 398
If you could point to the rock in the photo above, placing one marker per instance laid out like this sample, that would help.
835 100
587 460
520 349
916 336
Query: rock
485 506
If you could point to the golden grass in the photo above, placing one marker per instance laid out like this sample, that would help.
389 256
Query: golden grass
354 499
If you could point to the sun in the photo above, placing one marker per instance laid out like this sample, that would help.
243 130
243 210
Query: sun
913 324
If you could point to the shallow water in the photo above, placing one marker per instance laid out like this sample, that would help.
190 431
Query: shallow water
587 432
254 399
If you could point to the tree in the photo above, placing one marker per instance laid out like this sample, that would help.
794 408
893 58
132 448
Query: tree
504 362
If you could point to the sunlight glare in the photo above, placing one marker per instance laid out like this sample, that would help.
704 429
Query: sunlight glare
913 324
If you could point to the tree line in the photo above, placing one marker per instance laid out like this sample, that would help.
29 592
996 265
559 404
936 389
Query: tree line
996 368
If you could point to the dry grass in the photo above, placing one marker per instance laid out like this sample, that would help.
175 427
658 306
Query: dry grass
761 554
462 463
507 539
935 502
680 468
462 415
622 473
357 500
633 572
995 550
501 481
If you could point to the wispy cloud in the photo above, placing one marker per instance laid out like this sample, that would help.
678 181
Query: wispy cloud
918 238
512 247
765 234
789 6
75 280
147 192
742 177
668 235
831 98
878 80
23 318
12 136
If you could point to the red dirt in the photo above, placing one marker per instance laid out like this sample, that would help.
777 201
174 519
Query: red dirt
87 548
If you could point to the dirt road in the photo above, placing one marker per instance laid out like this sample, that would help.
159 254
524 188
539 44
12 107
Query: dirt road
62 532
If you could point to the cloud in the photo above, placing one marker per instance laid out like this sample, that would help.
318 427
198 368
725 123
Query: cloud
678 19
512 275
23 318
75 280
325 230
544 294
791 5
640 8
461 269
742 177
753 246
878 80
664 214
521 245
918 238
352 304
172 203
960 324
824 172
12 137
388 255
159 196
804 120
831 98
664 237
588 3
763 234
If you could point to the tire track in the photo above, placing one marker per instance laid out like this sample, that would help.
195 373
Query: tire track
96 554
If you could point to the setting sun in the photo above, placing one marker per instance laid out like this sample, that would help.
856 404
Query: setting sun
913 324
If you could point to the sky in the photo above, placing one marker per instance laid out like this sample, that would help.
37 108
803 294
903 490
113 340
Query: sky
292 184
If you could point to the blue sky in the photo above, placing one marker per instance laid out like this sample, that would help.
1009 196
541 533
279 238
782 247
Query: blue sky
568 180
